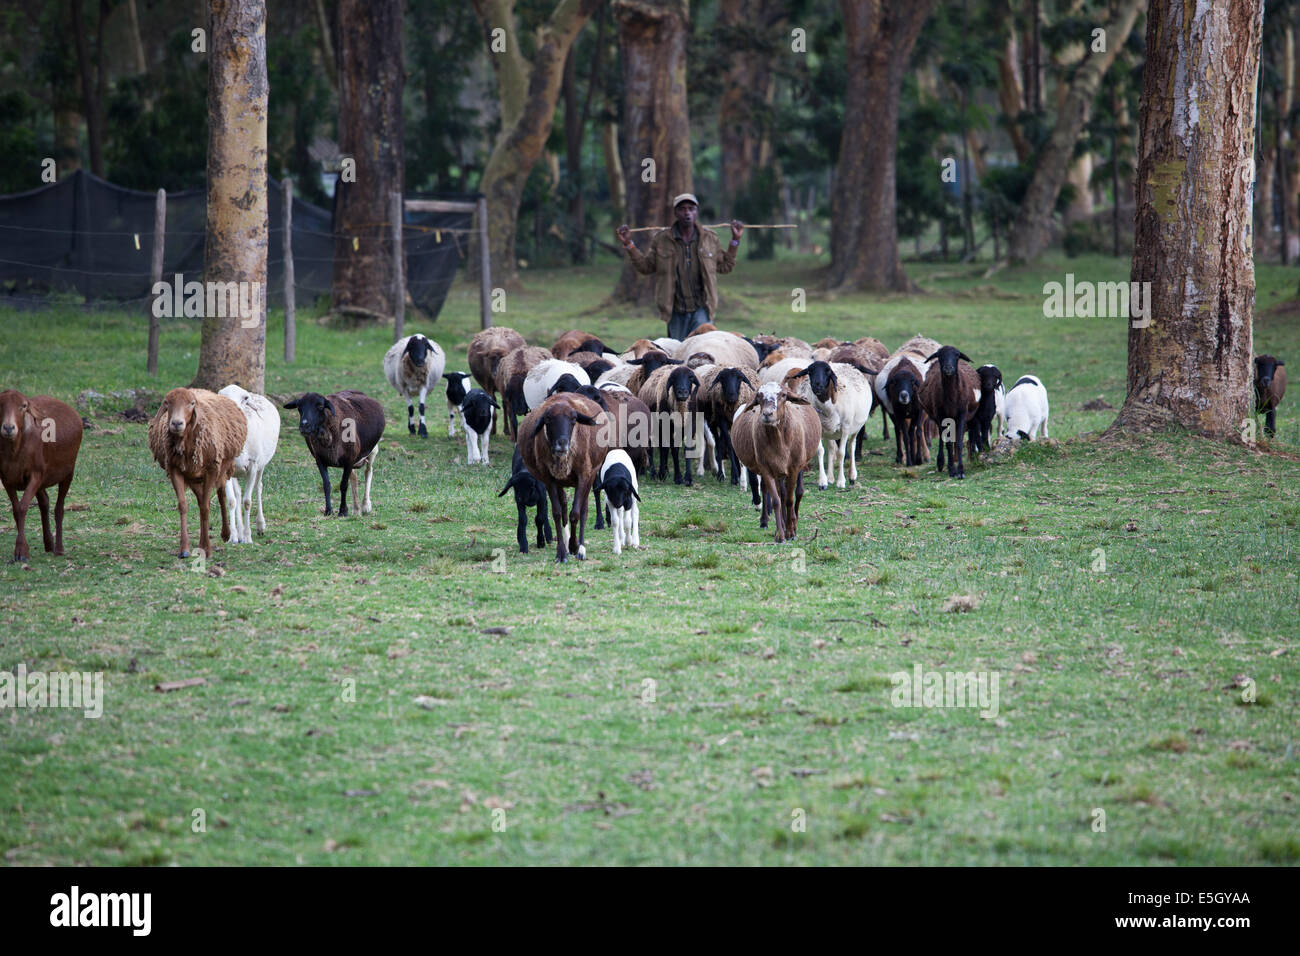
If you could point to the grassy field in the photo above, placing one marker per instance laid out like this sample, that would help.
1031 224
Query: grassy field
694 701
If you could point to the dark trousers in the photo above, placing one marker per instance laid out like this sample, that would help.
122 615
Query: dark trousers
683 323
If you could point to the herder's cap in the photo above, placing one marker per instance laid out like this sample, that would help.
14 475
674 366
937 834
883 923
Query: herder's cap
685 197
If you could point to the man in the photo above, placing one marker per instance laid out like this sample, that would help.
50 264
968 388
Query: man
685 261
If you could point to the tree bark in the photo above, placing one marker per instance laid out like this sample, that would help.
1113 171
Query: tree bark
370 78
743 137
1191 366
1032 229
614 170
528 92
656 122
1011 96
90 102
233 349
878 37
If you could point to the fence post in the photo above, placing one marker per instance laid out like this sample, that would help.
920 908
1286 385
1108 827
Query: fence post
485 267
159 241
399 282
290 322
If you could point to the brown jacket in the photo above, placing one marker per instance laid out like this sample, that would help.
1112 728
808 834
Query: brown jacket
661 262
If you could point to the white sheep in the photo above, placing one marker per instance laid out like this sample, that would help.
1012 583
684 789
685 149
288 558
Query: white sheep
543 376
413 366
259 448
1027 408
618 481
841 394
726 349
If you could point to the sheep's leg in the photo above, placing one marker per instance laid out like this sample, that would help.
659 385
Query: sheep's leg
471 446
729 452
798 497
261 518
227 505
578 517
853 462
560 507
58 514
366 506
483 448
599 513
961 430
43 502
752 479
410 416
543 525
633 518
773 494
521 532
451 419
232 496
182 508
343 491
840 451
1268 424
615 525
822 482
424 432
203 492
325 483
898 444
857 444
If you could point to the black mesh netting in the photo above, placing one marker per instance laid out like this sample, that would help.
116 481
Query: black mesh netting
88 237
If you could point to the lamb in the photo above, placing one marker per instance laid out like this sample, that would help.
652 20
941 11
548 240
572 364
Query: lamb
477 410
543 376
906 368
671 394
628 417
515 365
456 393
486 350
1027 408
559 447
842 399
342 430
726 348
775 437
573 340
950 396
413 366
196 437
618 481
250 464
992 405
1270 386
529 493
722 391
39 441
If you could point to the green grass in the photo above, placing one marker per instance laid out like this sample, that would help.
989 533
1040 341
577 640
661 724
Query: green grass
683 703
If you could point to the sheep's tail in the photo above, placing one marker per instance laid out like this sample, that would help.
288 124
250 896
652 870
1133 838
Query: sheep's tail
514 480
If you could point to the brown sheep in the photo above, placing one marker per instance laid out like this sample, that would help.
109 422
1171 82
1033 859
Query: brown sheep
517 362
559 445
39 441
1270 386
196 437
775 436
672 393
574 339
486 350
645 366
950 396
638 349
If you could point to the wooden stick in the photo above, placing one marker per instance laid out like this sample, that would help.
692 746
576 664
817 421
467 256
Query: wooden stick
721 225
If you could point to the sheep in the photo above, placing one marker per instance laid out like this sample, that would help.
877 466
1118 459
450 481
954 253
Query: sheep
477 411
950 396
594 365
842 399
573 340
792 347
671 395
413 366
1027 408
196 437
638 349
39 441
701 329
486 350
618 481
898 388
865 354
775 436
644 367
342 430
558 443
618 375
722 390
992 406
782 369
529 493
259 448
667 344
516 364
1270 387
727 349
456 393
540 379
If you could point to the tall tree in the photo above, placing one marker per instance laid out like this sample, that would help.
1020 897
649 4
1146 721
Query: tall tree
92 79
1191 365
1032 229
233 348
878 37
750 33
656 121
528 90
370 79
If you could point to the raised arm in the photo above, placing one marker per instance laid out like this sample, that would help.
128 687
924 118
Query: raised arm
644 262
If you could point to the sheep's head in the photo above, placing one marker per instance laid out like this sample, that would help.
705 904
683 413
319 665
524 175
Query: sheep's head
314 412
557 424
947 358
598 368
653 360
1265 368
13 408
456 387
565 383
591 345
764 345
990 378
696 359
771 400
682 385
417 350
730 380
593 393
902 388
822 381
179 408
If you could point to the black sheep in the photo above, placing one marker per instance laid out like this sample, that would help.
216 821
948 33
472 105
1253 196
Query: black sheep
529 493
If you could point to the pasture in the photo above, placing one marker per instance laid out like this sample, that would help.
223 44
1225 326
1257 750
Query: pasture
378 690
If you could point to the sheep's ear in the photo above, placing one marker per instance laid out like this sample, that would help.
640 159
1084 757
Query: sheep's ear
291 404
582 419
1280 362
716 383
797 399
793 375
674 362
597 485
933 357
636 361
1023 434
329 406
963 355
493 401
635 495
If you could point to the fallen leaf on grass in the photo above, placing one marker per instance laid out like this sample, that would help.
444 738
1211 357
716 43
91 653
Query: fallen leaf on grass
502 631
170 685
428 703
960 603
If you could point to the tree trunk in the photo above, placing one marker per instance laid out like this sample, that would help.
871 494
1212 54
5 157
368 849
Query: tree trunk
326 45
656 122
370 80
614 170
878 37
233 349
1032 229
746 86
1011 96
90 104
528 92
1191 366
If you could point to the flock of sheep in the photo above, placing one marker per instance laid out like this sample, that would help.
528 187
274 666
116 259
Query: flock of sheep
591 421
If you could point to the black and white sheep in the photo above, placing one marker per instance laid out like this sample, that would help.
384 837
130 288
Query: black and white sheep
477 410
413 366
618 481
456 392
